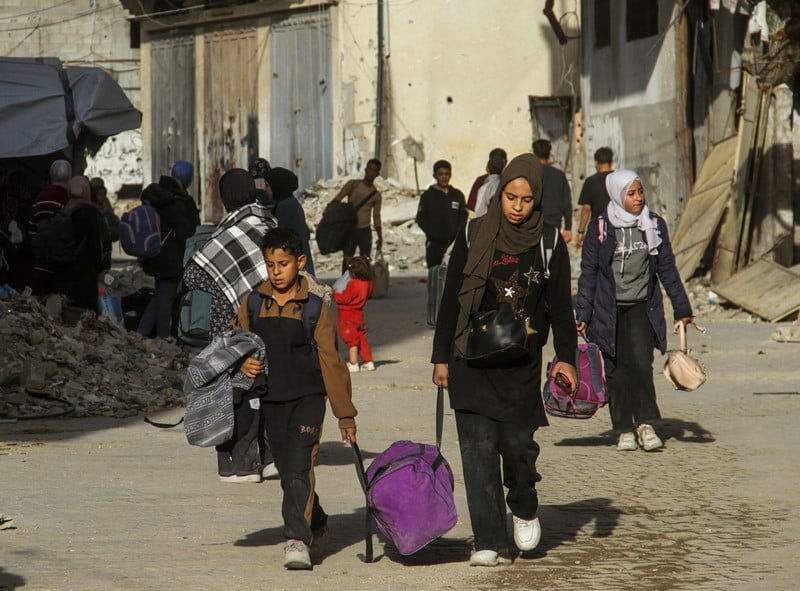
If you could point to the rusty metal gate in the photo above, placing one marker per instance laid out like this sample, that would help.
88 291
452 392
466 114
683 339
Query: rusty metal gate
301 130
230 130
172 103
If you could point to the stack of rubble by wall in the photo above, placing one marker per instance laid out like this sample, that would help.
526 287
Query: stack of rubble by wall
95 366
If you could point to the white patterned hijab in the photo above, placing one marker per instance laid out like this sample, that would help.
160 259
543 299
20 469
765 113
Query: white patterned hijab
617 184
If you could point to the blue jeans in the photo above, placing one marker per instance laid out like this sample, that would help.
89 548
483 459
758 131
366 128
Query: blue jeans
158 313
483 441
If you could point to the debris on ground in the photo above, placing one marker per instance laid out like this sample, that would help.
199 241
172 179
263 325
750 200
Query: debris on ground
94 368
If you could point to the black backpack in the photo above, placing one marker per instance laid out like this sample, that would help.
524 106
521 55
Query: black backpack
55 243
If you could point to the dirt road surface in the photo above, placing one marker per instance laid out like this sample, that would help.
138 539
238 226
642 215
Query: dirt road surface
106 505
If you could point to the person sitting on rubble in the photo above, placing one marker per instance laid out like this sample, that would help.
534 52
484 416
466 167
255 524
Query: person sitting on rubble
179 219
625 255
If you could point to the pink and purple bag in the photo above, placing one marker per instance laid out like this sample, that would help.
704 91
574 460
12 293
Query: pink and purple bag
590 394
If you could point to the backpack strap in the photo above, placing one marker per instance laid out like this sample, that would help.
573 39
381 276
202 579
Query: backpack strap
311 312
365 199
254 299
547 253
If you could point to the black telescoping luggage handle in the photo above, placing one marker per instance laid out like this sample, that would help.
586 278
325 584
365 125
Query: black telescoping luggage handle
362 475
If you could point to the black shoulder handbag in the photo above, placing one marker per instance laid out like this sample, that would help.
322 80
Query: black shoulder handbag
497 337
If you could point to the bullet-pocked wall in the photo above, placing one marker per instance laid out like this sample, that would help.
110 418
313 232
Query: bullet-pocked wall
457 81
634 96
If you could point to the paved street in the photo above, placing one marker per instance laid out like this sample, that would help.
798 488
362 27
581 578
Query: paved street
102 504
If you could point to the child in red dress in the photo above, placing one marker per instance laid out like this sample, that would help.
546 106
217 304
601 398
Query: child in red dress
350 303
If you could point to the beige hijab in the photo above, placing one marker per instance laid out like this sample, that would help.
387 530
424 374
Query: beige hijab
493 231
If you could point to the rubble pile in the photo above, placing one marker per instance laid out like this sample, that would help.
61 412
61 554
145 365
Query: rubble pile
96 366
403 241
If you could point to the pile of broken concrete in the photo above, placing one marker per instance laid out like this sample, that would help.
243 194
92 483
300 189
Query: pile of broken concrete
92 368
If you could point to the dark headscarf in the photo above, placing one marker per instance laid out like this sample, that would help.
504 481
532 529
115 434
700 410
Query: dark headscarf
236 188
493 231
283 182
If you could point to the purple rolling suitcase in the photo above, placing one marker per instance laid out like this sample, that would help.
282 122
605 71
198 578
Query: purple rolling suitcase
409 492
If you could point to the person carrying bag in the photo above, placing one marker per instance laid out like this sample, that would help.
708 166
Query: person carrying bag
497 403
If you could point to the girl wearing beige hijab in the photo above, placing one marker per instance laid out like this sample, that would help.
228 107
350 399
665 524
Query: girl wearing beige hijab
498 409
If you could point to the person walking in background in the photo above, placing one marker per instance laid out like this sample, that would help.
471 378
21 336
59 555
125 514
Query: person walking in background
499 408
302 376
179 219
594 197
259 169
350 304
230 264
497 155
619 305
495 166
103 205
228 267
557 196
288 211
363 194
52 198
441 212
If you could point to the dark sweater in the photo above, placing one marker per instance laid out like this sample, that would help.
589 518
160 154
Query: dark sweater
556 198
509 393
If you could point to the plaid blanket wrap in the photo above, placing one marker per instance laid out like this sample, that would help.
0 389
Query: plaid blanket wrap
232 256
210 381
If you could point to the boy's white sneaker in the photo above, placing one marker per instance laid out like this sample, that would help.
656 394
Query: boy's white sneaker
487 558
240 478
296 556
368 366
269 471
527 533
353 367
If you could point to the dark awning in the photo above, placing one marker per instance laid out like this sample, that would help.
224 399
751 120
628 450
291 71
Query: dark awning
46 108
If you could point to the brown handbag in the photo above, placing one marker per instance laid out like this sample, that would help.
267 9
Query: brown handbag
682 370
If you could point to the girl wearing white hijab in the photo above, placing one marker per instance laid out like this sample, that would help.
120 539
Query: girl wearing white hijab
626 253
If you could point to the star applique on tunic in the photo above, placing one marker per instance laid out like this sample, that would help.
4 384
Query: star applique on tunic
510 290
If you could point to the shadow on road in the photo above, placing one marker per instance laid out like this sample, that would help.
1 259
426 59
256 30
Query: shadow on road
10 580
680 430
686 431
561 523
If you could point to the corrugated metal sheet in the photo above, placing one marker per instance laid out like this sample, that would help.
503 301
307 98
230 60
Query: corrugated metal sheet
301 134
172 103
230 137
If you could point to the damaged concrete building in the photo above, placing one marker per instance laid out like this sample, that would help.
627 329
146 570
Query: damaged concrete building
322 86
700 97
